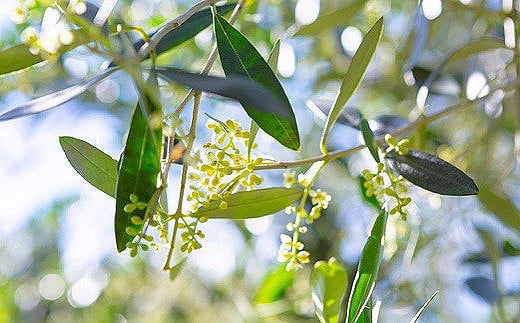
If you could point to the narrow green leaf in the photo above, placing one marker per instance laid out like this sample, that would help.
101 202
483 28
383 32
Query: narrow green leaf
189 29
502 206
423 308
16 58
481 45
370 139
328 284
353 77
251 204
96 167
368 268
239 57
431 173
139 166
234 87
274 285
339 17
272 61
55 99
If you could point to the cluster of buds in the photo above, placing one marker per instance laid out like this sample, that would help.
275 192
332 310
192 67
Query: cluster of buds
291 249
399 146
387 187
158 220
224 166
141 239
191 235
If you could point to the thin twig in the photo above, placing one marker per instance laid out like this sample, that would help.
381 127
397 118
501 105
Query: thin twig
184 176
191 135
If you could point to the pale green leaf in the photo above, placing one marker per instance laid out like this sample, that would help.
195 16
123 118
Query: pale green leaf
250 204
96 167
353 77
328 284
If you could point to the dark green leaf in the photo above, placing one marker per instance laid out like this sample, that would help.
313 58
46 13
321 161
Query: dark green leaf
372 200
353 77
274 285
431 173
55 99
370 139
339 17
368 268
239 57
234 87
251 204
96 167
139 166
502 206
328 284
190 28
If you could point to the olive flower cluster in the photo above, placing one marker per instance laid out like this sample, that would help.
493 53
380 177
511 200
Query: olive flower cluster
291 249
224 166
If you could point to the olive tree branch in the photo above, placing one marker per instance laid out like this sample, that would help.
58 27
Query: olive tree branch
421 121
191 135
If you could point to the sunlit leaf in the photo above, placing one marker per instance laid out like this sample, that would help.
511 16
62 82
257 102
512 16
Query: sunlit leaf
431 173
339 17
96 167
139 166
16 58
55 99
353 77
250 204
274 285
368 268
234 87
502 206
328 284
239 57
370 139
